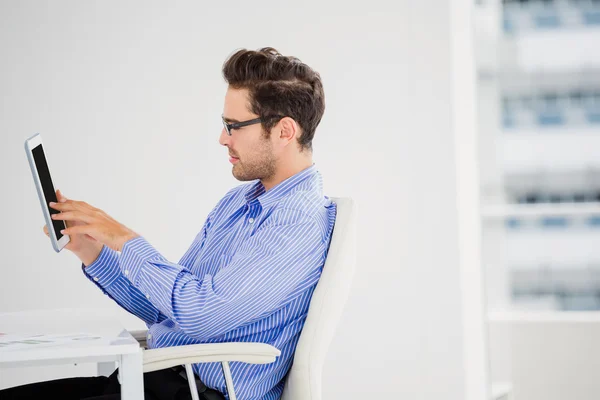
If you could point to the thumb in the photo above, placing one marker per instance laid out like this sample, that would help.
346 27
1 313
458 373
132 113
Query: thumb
60 196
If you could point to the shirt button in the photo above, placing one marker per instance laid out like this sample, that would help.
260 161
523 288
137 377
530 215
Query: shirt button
251 220
148 296
149 336
95 279
126 272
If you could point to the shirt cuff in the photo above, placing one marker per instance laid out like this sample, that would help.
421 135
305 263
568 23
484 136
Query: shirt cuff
151 273
135 253
105 270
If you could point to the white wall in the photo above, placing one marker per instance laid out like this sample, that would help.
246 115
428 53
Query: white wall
128 97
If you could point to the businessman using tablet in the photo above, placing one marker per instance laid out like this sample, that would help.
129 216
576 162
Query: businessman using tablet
250 272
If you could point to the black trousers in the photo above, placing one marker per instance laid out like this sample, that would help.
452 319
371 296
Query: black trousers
168 384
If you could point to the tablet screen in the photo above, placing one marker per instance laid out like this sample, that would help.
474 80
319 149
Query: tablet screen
49 192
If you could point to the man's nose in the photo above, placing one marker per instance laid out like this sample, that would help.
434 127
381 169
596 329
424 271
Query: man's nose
224 138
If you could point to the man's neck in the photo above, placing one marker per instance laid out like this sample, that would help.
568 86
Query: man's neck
286 173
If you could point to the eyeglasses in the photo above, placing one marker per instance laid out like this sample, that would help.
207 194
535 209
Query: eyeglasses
237 125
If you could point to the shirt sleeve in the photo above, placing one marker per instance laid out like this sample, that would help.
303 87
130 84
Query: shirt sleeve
284 254
105 273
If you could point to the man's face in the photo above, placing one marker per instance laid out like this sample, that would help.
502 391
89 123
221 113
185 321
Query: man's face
250 152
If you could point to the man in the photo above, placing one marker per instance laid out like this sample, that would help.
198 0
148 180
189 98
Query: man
250 273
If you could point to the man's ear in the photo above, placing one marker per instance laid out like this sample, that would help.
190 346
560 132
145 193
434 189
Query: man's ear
289 130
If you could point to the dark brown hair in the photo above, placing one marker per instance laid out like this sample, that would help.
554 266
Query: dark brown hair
278 86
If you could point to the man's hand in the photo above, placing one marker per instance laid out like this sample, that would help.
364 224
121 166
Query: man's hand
83 246
85 220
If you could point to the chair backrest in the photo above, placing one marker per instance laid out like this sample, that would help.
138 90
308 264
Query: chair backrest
326 306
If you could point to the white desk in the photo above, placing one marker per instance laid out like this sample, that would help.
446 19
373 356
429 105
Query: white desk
114 345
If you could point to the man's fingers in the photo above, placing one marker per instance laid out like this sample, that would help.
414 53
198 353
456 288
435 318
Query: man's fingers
61 198
46 230
78 230
72 205
73 216
65 206
82 206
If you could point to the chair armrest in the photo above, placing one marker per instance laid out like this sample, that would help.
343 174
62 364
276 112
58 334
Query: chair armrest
252 353
140 336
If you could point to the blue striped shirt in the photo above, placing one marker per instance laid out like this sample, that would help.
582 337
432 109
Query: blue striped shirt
248 277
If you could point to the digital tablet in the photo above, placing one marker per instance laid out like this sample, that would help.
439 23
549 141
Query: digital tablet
45 190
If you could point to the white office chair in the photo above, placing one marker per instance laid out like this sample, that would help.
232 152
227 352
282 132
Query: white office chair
304 379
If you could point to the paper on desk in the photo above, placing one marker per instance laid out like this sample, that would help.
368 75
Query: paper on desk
24 342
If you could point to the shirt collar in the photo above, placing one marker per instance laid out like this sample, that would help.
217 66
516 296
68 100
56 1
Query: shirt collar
257 191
